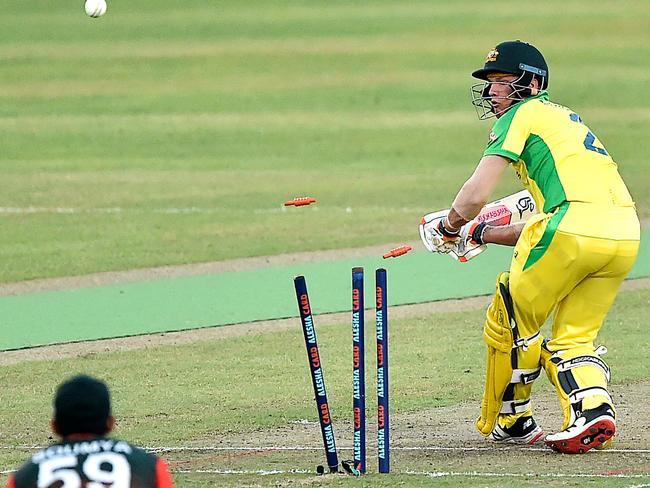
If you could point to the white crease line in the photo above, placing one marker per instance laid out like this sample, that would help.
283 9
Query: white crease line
348 448
478 474
261 472
430 474
395 448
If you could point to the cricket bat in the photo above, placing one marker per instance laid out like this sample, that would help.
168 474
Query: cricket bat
508 210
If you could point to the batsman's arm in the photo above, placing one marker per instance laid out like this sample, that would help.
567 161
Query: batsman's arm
506 235
476 191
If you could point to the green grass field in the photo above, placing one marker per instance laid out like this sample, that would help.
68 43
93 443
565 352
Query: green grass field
171 131
245 390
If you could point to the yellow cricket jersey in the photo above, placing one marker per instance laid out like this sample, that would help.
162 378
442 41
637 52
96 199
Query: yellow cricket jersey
566 169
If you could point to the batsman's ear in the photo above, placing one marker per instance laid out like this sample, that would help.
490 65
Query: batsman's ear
54 427
110 424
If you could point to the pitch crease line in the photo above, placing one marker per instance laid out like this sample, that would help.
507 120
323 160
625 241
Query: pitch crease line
398 448
442 474
345 448
431 474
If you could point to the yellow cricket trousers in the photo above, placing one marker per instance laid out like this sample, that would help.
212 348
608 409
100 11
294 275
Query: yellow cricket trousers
576 277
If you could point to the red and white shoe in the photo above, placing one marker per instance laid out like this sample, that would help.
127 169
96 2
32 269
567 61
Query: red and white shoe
592 428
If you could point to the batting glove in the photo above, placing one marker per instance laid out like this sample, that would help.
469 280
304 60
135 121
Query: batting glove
445 240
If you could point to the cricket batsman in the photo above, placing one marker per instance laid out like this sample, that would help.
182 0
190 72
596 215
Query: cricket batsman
569 260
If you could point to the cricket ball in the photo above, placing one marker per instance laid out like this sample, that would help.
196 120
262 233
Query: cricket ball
95 8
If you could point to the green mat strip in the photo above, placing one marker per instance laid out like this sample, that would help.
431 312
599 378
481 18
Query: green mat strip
245 296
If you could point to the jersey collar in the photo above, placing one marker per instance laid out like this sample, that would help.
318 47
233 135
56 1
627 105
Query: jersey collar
542 95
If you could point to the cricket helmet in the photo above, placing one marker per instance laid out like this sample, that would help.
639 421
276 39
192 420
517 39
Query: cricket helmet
510 57
515 58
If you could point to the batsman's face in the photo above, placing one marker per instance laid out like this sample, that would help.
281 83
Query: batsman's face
499 91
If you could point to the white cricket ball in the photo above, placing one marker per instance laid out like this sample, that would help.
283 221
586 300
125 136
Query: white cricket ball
95 8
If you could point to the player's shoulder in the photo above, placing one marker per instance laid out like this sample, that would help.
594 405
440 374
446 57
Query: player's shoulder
537 112
26 475
531 108
131 451
543 107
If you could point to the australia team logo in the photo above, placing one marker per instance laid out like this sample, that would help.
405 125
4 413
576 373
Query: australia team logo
492 55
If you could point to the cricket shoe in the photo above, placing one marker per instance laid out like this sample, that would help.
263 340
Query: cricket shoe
593 428
524 431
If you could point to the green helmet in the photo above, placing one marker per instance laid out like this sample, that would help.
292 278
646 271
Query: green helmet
516 58
510 57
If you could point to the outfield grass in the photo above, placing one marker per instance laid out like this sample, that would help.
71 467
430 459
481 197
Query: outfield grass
199 394
171 132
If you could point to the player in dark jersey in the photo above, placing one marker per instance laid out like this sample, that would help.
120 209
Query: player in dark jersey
85 457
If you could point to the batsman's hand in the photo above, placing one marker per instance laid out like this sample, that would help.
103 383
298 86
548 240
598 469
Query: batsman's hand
471 242
450 237
467 246
435 236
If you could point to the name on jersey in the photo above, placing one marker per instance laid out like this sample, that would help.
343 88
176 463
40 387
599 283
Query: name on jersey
85 447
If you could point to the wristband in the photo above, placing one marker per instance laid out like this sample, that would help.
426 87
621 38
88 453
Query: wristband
447 233
477 233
